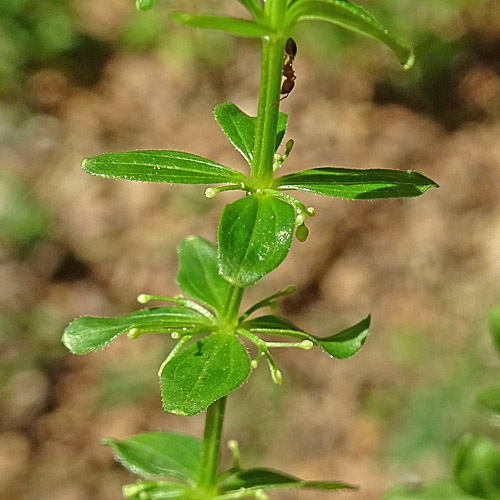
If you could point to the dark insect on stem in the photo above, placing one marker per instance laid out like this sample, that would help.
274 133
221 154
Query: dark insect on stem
288 72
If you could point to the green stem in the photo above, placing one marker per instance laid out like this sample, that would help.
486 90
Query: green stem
211 446
266 126
233 303
215 412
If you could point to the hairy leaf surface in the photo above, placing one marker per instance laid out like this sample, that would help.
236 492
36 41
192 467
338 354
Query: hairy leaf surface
357 184
89 333
175 167
202 373
254 236
159 454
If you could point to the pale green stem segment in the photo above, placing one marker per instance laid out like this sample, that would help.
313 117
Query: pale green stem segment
232 306
211 445
266 126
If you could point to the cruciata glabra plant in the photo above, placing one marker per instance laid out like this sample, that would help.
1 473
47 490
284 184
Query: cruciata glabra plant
254 235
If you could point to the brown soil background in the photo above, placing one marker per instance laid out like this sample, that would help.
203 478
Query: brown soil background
427 269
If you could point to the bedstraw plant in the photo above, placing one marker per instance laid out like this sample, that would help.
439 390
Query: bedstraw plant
255 233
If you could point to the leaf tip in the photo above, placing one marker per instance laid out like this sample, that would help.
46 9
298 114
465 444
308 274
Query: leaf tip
108 441
144 4
86 164
410 61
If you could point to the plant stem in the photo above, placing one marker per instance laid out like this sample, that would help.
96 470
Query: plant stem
215 412
266 126
232 306
211 444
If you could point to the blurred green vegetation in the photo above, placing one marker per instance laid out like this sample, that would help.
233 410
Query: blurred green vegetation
23 221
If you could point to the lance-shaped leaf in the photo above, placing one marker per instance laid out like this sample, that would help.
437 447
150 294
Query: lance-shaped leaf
89 333
144 4
232 25
175 167
346 343
357 184
156 490
254 236
476 466
198 274
439 490
340 345
349 15
202 373
268 479
489 399
159 454
273 325
239 128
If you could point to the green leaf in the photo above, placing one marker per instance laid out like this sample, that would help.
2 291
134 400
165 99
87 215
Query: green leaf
202 373
476 466
346 343
88 333
282 124
254 235
439 490
489 399
144 4
267 479
155 490
340 345
254 7
159 454
495 326
348 15
198 274
175 167
357 184
239 128
231 25
270 323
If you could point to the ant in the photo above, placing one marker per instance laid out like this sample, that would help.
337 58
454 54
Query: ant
288 72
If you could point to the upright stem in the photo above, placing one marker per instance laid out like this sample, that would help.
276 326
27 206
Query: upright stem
215 412
270 86
211 444
232 306
262 176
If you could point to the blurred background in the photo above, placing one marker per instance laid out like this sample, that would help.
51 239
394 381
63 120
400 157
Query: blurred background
83 77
